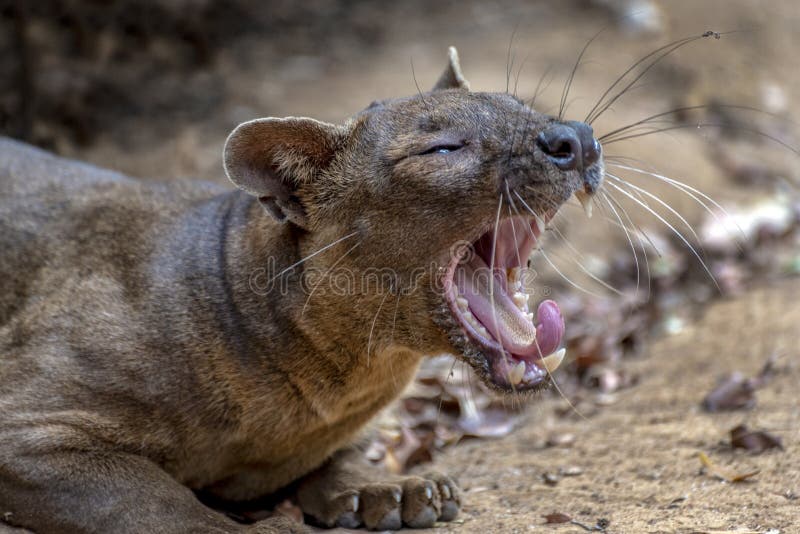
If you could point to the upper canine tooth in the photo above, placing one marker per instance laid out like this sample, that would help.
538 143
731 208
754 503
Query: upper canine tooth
551 362
462 303
516 373
539 224
513 274
586 201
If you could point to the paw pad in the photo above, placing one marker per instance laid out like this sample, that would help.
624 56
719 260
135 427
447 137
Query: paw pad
417 502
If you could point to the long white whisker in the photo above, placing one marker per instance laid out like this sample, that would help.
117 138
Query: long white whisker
441 395
323 249
327 272
643 130
705 125
606 218
604 196
394 318
610 200
513 230
565 277
552 380
695 194
672 228
580 264
491 280
654 197
632 227
556 269
567 242
583 268
391 338
558 388
374 320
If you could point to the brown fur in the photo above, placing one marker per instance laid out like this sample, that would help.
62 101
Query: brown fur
137 360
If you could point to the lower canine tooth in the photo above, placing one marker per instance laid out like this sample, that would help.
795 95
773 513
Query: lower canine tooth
516 373
552 361
586 201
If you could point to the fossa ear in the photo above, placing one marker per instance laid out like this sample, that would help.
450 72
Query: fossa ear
272 158
452 77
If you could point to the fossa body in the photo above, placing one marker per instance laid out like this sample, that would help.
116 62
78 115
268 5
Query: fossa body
159 338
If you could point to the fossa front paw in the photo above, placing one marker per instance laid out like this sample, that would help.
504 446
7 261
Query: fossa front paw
413 501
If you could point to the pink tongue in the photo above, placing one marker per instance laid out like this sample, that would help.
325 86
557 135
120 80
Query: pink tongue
504 320
550 330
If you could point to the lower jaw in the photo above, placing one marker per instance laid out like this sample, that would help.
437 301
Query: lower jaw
502 369
506 371
494 368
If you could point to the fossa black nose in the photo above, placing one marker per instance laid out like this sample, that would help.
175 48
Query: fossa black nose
570 145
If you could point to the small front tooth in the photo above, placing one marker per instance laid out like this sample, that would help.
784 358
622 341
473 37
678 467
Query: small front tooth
472 320
520 299
529 316
540 224
586 201
482 331
551 362
516 373
462 303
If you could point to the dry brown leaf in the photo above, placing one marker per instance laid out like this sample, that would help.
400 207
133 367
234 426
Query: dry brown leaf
755 441
408 451
732 392
557 518
722 472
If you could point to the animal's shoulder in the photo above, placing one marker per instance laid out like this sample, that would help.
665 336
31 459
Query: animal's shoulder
27 170
34 177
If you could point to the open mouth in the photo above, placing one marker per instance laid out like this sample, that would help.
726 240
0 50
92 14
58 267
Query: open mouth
485 288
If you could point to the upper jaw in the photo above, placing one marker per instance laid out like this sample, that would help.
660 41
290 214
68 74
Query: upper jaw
490 322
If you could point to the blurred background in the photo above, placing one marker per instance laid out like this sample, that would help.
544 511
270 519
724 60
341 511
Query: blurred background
153 87
112 81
